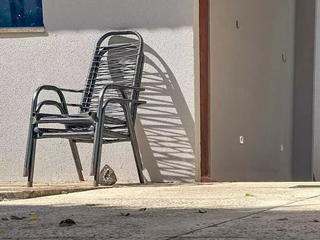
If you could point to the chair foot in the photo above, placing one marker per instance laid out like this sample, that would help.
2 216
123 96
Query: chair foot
81 178
141 179
95 183
92 171
76 158
25 172
134 144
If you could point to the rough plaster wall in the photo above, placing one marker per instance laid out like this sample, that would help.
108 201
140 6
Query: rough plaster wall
62 56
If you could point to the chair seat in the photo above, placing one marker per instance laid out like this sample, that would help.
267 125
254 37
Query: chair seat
79 127
80 118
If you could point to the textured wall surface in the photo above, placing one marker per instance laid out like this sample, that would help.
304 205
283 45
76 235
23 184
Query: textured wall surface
303 112
262 90
252 89
316 127
62 56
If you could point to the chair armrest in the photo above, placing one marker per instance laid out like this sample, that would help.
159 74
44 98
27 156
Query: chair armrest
123 101
49 88
120 88
50 103
72 90
124 104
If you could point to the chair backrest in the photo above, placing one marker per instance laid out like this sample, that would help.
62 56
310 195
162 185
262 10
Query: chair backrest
118 59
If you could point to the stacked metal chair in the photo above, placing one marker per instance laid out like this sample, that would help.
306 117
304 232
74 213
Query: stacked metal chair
108 108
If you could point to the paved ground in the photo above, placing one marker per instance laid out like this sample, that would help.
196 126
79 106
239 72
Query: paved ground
230 211
21 191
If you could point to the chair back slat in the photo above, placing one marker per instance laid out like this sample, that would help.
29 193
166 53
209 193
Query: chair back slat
118 59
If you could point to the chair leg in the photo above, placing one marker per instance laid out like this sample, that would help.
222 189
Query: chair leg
28 169
96 155
135 148
29 147
31 159
137 156
76 158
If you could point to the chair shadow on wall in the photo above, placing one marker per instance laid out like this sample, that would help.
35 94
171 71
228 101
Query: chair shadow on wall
165 126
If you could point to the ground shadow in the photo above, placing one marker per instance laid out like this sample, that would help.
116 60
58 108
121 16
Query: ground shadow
94 221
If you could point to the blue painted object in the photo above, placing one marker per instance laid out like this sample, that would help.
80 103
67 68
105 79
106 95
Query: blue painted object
21 13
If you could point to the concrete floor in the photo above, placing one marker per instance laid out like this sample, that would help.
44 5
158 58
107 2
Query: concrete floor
231 211
21 191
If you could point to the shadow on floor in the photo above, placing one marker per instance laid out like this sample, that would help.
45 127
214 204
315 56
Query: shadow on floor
105 222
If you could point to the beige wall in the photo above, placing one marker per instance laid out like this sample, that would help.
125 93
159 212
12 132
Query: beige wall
316 129
252 89
197 89
62 56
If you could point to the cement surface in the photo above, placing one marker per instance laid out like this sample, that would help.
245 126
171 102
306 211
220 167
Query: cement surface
231 211
21 191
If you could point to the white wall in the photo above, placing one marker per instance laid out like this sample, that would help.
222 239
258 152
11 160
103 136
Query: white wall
62 56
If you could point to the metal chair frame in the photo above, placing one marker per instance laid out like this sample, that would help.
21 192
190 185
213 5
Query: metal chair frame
93 123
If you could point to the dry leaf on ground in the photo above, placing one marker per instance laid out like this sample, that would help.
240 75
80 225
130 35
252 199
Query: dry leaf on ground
249 195
125 214
16 218
202 211
67 222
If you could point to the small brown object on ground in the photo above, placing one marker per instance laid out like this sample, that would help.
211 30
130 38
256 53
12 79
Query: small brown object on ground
202 211
16 218
90 205
67 222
